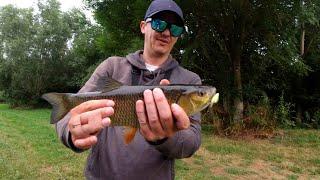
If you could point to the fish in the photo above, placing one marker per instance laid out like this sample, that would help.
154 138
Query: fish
192 99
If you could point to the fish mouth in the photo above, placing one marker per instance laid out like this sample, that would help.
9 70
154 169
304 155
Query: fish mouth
214 99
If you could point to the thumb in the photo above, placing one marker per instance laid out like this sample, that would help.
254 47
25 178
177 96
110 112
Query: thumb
182 119
164 82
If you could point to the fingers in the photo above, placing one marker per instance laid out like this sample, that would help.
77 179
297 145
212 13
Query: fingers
85 143
164 82
84 136
90 122
91 105
182 119
152 114
87 119
142 117
91 128
164 111
101 112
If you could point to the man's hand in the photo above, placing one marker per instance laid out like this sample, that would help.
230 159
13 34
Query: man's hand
156 116
87 119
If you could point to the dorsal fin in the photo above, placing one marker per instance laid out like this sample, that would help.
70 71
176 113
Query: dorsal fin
109 84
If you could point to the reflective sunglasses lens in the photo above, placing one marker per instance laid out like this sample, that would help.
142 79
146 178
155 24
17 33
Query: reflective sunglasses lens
158 25
175 30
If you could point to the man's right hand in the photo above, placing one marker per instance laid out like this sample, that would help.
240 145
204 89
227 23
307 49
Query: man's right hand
87 119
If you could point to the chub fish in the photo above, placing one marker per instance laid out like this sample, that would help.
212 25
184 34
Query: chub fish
192 98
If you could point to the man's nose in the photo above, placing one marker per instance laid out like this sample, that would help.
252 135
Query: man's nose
166 32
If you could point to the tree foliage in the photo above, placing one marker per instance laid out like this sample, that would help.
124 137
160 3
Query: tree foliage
121 20
45 51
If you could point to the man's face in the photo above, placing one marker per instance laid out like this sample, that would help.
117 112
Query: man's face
159 43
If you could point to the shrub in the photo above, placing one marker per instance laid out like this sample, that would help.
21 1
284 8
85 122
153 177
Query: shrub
313 119
283 113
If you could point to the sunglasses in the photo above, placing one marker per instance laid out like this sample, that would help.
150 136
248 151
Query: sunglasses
160 26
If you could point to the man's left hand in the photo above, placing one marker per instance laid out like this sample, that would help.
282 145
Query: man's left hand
158 119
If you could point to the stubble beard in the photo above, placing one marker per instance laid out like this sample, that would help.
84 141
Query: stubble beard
161 49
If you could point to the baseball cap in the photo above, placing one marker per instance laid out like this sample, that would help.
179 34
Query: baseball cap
157 6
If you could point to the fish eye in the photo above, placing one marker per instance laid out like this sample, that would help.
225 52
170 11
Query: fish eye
201 93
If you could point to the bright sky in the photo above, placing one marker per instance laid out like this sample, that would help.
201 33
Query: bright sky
65 5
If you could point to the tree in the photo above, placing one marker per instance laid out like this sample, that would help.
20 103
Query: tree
241 42
121 24
305 97
16 35
38 54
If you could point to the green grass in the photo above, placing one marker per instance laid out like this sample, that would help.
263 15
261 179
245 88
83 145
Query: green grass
30 149
294 155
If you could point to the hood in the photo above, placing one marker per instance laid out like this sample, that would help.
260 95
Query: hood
145 76
136 60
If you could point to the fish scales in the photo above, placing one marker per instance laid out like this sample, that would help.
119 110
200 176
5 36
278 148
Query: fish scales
124 109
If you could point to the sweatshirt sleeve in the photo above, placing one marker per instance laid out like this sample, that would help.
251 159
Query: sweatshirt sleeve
91 85
185 142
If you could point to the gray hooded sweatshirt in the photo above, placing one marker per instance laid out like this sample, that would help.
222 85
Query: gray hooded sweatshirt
111 158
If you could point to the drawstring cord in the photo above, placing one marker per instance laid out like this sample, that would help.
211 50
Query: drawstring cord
143 77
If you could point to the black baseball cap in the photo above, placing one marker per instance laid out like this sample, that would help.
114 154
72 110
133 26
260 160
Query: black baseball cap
157 6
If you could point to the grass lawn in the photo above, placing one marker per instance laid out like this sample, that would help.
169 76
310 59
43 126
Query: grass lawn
29 149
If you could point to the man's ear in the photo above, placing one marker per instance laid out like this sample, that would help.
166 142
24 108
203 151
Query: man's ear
143 26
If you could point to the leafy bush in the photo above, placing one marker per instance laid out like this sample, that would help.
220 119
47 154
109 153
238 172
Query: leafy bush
215 118
312 119
2 99
283 113
316 119
257 116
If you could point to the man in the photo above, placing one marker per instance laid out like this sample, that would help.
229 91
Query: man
166 132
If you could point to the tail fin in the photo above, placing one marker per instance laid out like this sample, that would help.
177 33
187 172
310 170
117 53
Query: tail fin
60 105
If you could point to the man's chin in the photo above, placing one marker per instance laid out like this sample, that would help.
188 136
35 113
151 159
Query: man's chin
162 50
160 53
